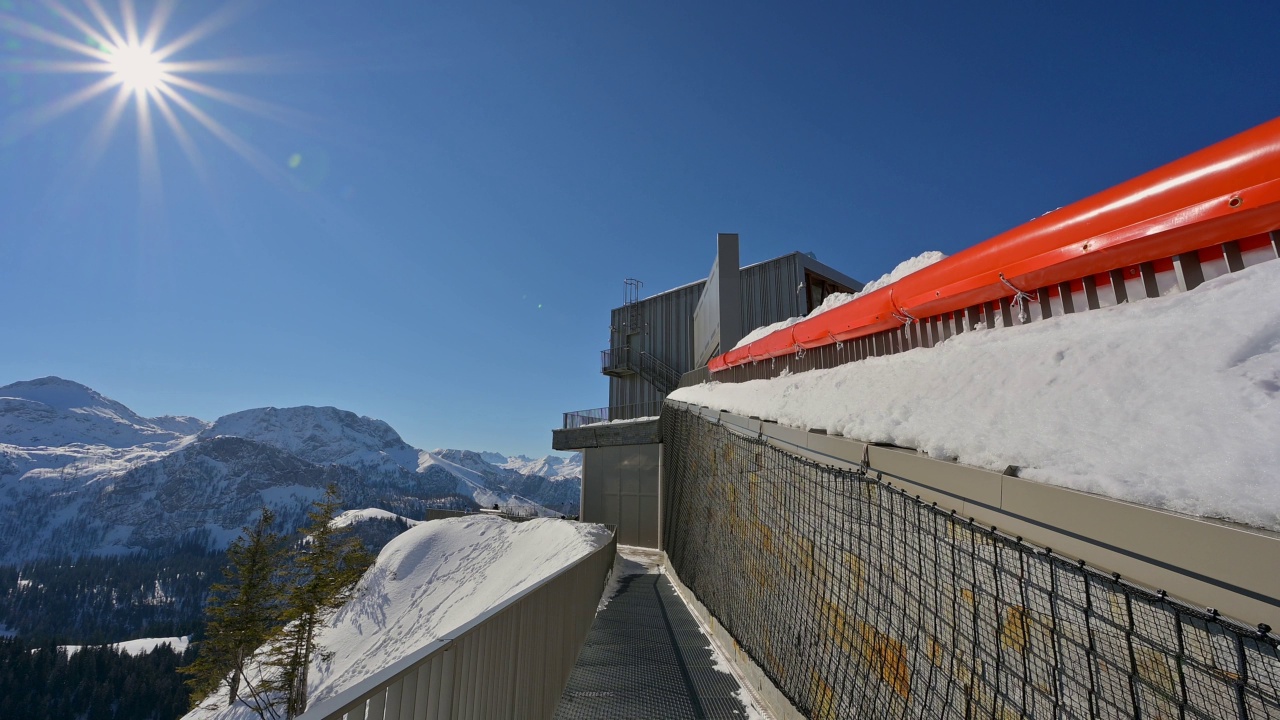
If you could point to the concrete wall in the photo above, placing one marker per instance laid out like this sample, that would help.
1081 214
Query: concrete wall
620 486
606 434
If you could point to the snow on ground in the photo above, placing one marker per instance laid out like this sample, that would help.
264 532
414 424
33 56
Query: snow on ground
835 300
629 421
429 581
629 561
141 646
351 517
1172 402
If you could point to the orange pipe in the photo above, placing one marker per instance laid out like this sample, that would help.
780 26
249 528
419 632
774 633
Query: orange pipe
1227 191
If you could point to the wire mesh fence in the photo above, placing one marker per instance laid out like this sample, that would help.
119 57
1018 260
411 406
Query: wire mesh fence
858 600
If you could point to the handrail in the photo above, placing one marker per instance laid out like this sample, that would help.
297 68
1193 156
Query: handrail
595 416
615 358
662 375
530 638
1225 192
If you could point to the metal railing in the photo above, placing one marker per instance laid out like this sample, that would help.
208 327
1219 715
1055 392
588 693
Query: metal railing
512 661
695 376
595 416
661 375
616 360
512 514
622 361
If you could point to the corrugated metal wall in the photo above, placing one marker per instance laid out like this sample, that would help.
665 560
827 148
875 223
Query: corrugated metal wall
771 291
665 331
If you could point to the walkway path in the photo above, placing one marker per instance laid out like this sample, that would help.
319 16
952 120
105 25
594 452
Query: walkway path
646 657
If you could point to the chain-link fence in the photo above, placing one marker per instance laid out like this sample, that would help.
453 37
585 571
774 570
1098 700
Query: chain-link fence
858 600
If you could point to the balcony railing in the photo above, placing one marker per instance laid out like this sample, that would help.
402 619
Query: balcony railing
616 361
595 416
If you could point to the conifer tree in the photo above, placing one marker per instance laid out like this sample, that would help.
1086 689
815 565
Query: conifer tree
243 613
326 566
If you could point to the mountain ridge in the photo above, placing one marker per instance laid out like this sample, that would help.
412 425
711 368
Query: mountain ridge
81 473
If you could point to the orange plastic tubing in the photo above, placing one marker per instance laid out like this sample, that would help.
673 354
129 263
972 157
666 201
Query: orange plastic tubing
1227 191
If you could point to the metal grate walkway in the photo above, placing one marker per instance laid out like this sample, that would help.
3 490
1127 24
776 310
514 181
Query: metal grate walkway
645 657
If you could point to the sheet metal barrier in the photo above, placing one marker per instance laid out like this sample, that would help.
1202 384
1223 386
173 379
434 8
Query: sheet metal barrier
1226 192
859 600
512 661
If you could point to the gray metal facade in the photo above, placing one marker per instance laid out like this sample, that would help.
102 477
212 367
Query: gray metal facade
662 325
620 487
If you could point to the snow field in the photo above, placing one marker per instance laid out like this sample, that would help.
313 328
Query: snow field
431 579
1172 402
141 646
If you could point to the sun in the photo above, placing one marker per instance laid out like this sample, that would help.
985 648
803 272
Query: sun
140 67
136 67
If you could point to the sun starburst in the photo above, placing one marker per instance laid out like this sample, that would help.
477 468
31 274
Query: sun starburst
137 68
137 65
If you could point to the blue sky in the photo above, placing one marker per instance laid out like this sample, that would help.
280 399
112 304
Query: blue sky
448 196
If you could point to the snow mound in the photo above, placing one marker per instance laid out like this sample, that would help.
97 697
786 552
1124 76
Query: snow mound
835 300
351 517
903 269
429 581
1172 402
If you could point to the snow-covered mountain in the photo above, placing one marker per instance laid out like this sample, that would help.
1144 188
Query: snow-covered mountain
552 467
322 435
528 492
82 474
54 412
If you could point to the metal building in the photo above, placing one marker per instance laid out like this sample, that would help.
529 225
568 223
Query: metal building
652 343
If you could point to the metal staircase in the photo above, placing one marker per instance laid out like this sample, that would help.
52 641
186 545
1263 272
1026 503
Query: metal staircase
659 374
623 361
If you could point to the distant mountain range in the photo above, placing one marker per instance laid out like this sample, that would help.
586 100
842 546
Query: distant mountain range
83 474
